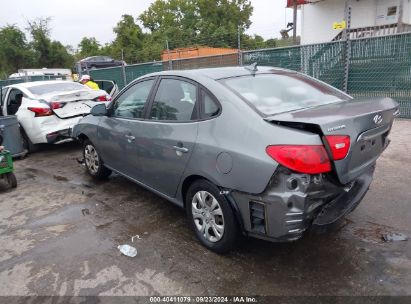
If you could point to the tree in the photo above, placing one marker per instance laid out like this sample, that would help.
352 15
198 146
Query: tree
40 31
88 47
196 22
128 41
14 50
153 46
221 22
47 53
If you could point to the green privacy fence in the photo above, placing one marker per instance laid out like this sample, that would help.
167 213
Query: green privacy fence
323 61
382 67
373 67
124 75
368 67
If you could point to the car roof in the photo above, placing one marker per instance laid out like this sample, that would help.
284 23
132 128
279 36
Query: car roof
221 73
97 56
37 83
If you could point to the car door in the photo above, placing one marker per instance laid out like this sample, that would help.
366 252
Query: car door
109 86
165 140
116 131
13 101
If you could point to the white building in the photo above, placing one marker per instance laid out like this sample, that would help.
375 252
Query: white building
369 18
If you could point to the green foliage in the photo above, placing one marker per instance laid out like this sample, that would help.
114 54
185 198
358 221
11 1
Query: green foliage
129 39
17 53
14 50
181 23
41 44
196 22
88 47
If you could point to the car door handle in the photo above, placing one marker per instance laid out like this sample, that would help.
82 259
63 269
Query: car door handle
130 138
180 149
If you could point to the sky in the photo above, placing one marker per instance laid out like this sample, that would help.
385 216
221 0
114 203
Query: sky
74 19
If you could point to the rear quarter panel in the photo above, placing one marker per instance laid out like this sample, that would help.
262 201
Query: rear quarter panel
230 149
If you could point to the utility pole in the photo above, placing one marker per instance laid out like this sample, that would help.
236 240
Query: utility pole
240 55
346 37
294 22
123 68
170 62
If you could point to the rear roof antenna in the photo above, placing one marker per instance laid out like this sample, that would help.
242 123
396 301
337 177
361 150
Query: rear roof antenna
252 68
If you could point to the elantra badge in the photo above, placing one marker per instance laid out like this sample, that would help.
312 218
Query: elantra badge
377 119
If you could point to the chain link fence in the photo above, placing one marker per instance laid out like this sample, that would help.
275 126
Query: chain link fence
374 67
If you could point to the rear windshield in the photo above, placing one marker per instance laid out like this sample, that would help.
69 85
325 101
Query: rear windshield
283 92
56 88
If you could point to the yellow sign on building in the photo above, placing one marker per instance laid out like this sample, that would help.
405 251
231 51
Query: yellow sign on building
339 25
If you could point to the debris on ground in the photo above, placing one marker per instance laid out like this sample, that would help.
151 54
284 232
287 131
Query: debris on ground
135 237
128 250
81 161
85 211
394 236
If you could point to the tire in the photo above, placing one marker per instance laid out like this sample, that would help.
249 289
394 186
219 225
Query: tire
27 144
12 180
214 226
93 162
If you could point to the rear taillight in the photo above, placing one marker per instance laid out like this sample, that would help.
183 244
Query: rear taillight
57 105
104 98
41 112
303 159
339 145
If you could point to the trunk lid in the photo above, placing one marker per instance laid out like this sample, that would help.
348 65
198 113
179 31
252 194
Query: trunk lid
367 122
75 103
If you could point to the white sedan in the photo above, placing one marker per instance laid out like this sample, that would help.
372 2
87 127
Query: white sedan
47 110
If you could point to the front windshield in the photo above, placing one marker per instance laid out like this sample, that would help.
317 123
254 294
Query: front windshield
56 88
282 92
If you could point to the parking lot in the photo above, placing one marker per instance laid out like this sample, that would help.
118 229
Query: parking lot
59 232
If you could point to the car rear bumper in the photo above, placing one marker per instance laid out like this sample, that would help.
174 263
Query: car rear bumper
60 136
50 129
294 203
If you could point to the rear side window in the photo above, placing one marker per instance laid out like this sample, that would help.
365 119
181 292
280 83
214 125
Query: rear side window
132 102
175 100
283 92
210 107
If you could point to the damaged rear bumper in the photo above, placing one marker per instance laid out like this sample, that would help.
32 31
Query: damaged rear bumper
293 203
59 137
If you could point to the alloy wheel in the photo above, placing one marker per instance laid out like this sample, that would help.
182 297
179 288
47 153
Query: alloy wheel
91 158
208 216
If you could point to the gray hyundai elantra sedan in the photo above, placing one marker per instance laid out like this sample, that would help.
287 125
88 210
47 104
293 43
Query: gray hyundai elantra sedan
256 151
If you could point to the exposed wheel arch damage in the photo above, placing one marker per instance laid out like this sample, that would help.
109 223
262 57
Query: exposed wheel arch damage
82 137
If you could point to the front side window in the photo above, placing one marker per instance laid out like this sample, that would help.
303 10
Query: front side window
132 102
283 92
174 100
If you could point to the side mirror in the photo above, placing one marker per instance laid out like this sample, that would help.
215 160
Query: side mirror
99 110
